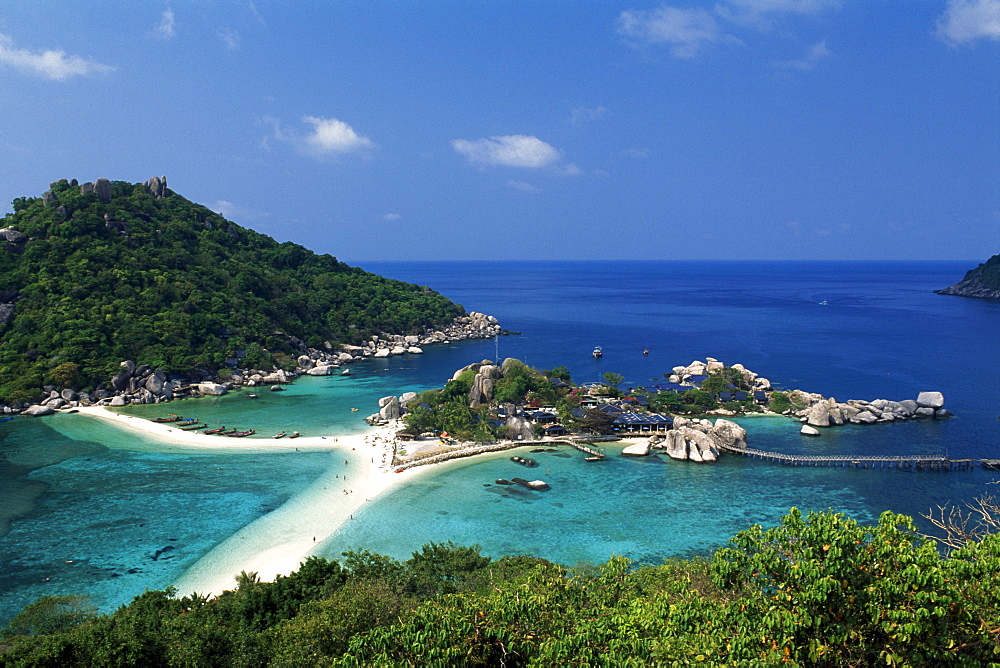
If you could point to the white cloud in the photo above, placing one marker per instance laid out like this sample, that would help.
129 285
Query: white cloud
165 28
686 31
48 64
508 151
814 55
524 187
256 14
229 37
330 136
391 216
762 13
967 21
582 115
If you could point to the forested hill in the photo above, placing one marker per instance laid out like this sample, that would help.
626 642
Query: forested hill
94 274
982 282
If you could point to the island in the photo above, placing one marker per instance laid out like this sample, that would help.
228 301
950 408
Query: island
983 282
116 292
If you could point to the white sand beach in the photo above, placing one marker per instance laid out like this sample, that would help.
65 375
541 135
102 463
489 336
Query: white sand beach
276 543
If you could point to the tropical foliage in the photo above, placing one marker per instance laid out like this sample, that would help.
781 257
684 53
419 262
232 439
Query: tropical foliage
819 589
169 283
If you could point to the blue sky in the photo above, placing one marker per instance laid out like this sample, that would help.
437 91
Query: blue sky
544 129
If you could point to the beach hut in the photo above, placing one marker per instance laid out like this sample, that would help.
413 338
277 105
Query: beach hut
553 430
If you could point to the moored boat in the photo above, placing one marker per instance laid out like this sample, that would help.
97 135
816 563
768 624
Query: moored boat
169 418
598 353
281 435
241 434
217 430
294 434
193 427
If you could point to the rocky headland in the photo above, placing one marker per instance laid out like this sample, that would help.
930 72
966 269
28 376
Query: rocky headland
983 282
141 384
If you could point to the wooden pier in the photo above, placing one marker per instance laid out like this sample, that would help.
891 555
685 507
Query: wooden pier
583 447
897 462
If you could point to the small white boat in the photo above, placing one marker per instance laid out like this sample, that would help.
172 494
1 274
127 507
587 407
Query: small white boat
598 353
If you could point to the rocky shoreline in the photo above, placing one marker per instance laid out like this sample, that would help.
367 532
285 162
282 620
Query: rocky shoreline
971 288
140 384
983 282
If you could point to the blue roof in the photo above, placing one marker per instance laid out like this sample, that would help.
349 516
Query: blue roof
643 418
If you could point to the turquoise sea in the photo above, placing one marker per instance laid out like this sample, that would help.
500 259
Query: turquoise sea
88 509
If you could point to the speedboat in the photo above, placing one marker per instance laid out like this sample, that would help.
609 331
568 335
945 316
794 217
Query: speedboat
598 353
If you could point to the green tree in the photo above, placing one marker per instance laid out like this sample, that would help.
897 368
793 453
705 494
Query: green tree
51 614
822 589
612 379
779 402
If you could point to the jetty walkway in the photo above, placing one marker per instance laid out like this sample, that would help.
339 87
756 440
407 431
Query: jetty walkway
894 462
497 447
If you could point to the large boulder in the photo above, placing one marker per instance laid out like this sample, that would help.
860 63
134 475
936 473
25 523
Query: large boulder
809 431
391 410
156 382
675 445
640 449
481 391
38 411
933 400
13 236
691 444
836 414
702 447
819 415
102 188
211 389
321 370
305 362
120 381
730 433
119 400
519 428
866 417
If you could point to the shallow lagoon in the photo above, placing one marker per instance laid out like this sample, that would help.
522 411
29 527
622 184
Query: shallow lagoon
80 491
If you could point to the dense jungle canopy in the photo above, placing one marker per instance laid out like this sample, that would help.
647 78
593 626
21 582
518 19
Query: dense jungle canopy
87 281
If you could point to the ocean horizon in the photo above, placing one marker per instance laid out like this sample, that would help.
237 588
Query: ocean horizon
89 510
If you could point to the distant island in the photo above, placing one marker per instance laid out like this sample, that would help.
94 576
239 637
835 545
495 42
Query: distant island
983 282
95 275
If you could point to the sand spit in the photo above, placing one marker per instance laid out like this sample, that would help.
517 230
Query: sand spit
276 543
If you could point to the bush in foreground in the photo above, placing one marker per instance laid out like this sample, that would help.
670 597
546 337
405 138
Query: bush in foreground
818 589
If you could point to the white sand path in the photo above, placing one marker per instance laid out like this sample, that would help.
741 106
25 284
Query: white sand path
276 543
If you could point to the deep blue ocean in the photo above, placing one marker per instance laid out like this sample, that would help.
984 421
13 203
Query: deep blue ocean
86 509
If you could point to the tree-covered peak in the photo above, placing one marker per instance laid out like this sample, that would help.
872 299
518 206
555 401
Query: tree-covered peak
95 273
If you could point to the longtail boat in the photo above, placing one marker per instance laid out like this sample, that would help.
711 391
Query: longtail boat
193 427
217 430
281 435
241 434
170 418
294 434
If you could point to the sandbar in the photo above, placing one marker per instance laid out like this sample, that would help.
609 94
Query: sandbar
278 542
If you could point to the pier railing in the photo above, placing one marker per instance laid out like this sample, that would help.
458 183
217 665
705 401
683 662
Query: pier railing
892 462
